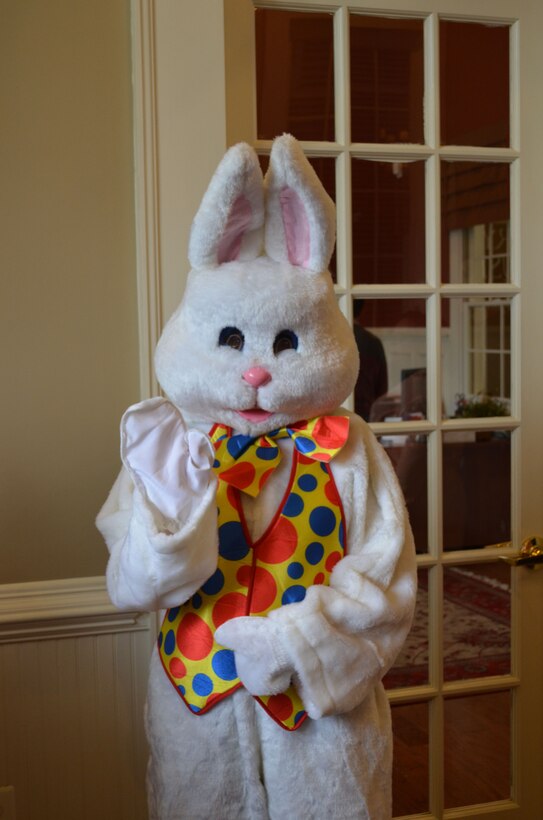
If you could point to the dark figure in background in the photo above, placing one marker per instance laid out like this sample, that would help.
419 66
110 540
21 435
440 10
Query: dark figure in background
373 376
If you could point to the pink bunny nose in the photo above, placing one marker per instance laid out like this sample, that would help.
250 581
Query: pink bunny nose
256 376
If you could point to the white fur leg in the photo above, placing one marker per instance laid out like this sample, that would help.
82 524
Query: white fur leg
206 766
236 763
335 767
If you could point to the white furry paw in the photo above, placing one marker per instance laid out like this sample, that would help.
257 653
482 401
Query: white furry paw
261 662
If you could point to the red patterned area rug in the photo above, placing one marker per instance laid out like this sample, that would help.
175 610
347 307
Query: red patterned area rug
476 630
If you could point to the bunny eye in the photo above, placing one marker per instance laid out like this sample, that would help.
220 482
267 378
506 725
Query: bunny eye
285 340
231 337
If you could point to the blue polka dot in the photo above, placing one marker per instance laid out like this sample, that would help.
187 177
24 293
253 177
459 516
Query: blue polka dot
307 483
294 506
216 464
266 453
169 642
181 689
341 535
237 444
196 601
160 639
194 708
299 717
232 544
293 594
214 584
224 665
305 445
324 467
314 553
202 684
173 613
295 570
322 521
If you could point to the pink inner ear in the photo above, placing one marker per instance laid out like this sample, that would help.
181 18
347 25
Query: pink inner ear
238 221
296 227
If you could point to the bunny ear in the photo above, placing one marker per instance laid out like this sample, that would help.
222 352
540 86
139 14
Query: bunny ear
300 216
229 222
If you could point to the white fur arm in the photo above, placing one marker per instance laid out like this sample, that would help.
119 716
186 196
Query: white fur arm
341 645
342 639
160 521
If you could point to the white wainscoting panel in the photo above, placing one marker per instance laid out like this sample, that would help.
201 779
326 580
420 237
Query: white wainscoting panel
73 677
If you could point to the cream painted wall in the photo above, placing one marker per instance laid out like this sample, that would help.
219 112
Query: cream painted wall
68 307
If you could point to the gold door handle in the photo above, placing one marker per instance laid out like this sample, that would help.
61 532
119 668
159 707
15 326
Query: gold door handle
530 555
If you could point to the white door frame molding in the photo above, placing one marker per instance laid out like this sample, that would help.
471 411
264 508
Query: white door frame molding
179 136
147 219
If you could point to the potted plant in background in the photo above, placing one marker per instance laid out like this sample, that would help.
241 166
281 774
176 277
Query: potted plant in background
480 406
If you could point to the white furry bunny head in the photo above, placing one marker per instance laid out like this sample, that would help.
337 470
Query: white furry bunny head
258 341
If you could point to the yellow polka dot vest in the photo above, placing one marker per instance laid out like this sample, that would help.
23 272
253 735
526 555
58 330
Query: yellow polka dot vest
300 547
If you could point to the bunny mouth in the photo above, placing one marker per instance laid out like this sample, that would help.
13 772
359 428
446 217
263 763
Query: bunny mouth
255 415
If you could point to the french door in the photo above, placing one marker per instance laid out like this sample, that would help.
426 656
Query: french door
422 118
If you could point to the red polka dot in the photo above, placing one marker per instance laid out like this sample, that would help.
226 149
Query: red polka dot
332 560
280 706
280 544
241 475
320 578
231 605
304 459
194 637
264 590
331 493
244 575
331 431
326 457
177 668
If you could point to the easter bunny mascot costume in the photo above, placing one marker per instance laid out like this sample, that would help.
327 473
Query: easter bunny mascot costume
265 520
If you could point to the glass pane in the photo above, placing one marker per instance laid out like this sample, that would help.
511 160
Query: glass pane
409 457
475 222
411 667
294 74
476 621
476 352
477 489
388 222
493 327
474 80
477 749
411 771
391 338
387 80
